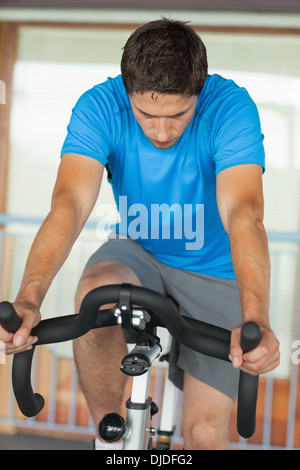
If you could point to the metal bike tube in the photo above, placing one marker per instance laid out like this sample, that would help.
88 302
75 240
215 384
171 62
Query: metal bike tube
139 413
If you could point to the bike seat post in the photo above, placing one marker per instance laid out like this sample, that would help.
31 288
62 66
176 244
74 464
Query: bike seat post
138 364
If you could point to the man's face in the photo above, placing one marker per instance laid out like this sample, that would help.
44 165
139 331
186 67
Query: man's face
163 118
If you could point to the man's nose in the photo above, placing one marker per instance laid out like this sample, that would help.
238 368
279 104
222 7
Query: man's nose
163 130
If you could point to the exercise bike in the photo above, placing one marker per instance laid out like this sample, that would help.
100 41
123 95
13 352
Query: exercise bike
155 310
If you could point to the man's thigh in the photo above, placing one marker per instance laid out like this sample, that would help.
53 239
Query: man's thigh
103 273
131 255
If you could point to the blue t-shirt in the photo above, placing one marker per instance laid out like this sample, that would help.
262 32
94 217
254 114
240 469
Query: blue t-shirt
167 198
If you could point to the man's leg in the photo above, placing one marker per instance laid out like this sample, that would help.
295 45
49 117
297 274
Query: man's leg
206 416
98 354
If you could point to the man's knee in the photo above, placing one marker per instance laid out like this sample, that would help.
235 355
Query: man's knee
206 436
101 274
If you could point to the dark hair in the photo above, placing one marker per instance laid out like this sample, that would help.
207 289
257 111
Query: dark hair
164 56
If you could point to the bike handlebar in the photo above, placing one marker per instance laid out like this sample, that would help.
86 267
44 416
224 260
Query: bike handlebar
199 336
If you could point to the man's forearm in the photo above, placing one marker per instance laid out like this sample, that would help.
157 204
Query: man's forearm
250 256
50 249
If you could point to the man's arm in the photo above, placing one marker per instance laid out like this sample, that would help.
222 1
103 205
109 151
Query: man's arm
74 196
241 207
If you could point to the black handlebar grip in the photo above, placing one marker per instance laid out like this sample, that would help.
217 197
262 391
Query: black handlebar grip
9 319
250 336
30 403
248 384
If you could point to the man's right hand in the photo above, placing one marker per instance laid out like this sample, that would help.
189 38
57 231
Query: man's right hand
21 340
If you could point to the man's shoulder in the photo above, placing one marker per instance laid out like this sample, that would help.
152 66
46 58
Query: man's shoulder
218 90
222 97
110 94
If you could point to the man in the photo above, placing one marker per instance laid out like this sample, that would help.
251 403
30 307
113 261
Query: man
186 147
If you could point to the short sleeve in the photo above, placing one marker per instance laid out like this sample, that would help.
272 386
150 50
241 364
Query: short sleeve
238 138
89 130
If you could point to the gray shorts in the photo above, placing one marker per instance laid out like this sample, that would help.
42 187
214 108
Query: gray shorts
210 299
